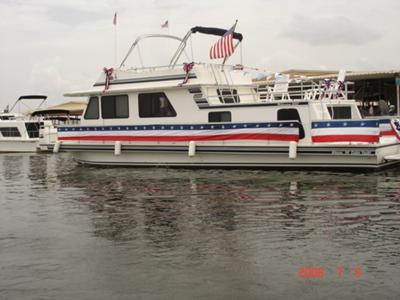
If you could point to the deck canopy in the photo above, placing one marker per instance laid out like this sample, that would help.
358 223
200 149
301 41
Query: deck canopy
35 97
215 31
204 30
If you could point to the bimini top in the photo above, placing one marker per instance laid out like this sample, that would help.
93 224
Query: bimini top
183 41
215 31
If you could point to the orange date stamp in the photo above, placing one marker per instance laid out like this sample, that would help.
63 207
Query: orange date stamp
319 272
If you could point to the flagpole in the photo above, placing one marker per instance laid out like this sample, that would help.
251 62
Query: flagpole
115 40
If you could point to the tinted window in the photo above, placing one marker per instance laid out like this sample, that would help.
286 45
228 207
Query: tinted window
340 112
114 107
291 114
10 132
92 110
228 96
155 105
220 116
33 129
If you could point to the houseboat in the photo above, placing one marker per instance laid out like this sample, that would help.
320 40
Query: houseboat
213 115
19 132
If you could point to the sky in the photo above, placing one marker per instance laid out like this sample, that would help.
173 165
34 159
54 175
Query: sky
52 47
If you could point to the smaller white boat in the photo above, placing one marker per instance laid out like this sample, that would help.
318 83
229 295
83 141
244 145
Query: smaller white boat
67 113
19 132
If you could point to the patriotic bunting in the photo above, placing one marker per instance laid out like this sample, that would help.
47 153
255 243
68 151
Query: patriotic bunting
345 131
278 131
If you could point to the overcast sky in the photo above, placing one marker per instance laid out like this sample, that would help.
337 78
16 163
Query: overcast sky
52 46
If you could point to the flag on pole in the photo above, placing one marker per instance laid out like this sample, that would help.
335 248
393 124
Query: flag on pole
115 19
224 47
165 24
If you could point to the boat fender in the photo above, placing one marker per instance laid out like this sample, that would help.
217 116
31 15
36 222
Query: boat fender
192 149
117 148
292 150
57 146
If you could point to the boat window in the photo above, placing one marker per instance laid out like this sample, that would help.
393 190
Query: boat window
290 114
33 129
10 132
92 110
228 96
155 105
340 112
220 116
115 107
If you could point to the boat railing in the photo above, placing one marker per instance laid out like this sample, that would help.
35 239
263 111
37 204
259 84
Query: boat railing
305 90
297 91
215 66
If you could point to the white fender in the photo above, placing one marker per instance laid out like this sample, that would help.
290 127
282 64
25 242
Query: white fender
192 149
292 150
57 146
117 148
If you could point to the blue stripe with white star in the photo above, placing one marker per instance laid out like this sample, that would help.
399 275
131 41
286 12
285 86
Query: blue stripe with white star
347 123
219 126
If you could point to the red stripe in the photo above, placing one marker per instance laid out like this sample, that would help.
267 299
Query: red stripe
345 138
222 42
226 46
231 43
386 133
243 136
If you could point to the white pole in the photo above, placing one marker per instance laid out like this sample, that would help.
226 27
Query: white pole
115 45
115 40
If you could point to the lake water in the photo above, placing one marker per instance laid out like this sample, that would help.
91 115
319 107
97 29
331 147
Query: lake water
69 231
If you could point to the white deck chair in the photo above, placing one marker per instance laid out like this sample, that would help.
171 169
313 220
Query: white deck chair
281 87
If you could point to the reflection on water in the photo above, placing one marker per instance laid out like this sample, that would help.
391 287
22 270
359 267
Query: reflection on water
71 231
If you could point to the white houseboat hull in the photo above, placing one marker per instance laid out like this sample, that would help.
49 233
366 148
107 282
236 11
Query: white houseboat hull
324 157
19 146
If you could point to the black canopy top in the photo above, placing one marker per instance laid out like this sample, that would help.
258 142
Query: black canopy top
50 111
215 31
32 97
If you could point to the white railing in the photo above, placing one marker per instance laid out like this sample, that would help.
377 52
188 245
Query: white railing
305 90
299 91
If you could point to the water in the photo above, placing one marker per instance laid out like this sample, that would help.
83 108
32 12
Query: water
73 232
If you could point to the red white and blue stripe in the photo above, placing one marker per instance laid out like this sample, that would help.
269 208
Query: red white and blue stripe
386 128
390 127
345 131
277 131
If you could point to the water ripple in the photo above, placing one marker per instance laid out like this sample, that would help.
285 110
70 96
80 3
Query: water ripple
71 231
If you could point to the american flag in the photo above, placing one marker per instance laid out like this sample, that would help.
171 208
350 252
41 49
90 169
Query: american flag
224 47
165 24
115 19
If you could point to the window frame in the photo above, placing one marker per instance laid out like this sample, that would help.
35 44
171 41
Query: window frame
115 98
88 106
14 129
220 113
170 111
332 108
